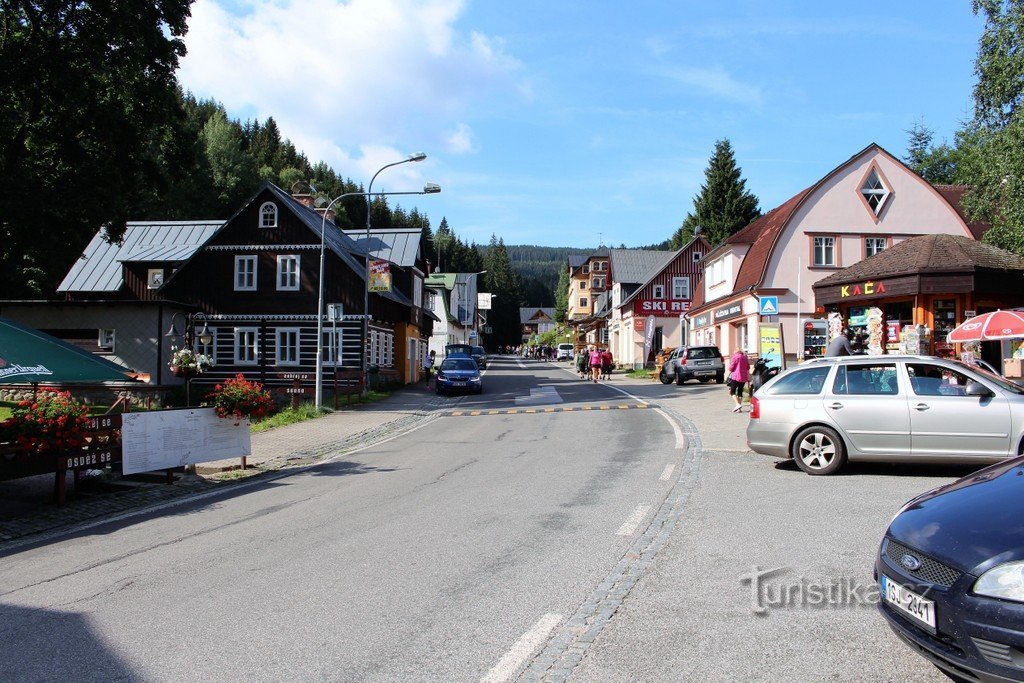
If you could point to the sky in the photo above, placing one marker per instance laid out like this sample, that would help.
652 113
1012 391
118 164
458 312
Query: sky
575 123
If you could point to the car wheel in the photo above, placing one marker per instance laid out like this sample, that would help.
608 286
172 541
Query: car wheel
680 379
720 378
818 450
663 376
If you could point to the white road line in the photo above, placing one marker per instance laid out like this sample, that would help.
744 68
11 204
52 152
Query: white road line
524 648
667 474
680 439
629 528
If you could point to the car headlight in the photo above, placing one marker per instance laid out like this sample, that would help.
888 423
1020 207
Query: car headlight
441 375
474 379
1005 581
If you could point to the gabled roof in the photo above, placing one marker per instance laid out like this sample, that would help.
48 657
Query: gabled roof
577 260
528 313
656 271
440 280
99 267
401 246
638 265
928 254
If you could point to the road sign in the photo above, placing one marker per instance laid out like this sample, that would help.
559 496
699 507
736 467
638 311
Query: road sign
335 312
769 305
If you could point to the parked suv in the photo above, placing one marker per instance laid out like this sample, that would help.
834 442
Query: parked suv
703 363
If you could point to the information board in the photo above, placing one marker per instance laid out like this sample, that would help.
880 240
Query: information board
770 345
163 439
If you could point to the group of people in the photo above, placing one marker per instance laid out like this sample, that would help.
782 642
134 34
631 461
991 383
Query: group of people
594 363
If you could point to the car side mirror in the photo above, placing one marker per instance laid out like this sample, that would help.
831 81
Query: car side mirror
977 389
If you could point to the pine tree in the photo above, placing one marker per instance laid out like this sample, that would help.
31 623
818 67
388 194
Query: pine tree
724 206
562 294
503 282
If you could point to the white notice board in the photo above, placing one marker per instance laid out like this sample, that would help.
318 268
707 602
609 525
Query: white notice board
163 439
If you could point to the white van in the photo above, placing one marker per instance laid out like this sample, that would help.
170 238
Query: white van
564 352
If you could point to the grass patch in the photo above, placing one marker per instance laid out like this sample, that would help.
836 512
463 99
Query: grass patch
640 374
306 411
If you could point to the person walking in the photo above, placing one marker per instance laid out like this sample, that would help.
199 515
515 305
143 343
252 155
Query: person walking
595 363
606 364
739 375
840 346
428 365
582 360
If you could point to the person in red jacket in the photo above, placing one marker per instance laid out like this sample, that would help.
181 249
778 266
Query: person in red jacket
606 364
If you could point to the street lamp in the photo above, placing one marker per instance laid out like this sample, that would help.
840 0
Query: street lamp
188 339
429 188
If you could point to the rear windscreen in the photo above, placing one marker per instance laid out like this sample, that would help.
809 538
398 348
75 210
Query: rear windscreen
702 352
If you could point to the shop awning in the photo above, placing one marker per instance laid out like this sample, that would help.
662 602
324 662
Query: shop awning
28 356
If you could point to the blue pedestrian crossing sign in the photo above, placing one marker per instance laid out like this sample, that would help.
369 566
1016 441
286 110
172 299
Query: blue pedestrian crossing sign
769 305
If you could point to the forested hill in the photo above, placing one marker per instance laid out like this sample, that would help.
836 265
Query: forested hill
538 269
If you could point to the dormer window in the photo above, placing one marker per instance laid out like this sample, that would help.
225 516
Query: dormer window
875 190
155 278
268 215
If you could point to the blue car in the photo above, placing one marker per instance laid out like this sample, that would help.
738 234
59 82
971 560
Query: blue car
951 575
458 374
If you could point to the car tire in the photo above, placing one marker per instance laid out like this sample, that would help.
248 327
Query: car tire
720 378
680 379
818 450
663 376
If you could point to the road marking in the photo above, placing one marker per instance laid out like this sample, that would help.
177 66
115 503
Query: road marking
631 524
667 474
551 409
540 396
680 439
524 648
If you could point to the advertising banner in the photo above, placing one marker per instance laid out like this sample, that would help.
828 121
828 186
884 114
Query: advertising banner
380 276
770 345
648 337
666 308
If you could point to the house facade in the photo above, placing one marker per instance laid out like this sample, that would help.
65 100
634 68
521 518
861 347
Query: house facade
589 278
454 304
536 321
649 304
864 206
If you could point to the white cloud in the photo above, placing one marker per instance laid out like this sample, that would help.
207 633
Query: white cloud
345 80
716 81
460 140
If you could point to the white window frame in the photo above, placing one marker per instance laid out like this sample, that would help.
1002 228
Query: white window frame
584 302
680 288
597 282
417 291
293 276
827 245
278 346
584 285
249 273
880 193
332 346
268 215
242 345
658 292
586 269
867 246
697 256
155 278
717 272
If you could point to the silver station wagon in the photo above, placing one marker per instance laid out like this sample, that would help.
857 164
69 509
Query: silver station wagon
886 408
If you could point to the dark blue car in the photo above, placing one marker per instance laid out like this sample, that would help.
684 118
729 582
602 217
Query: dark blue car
951 574
458 374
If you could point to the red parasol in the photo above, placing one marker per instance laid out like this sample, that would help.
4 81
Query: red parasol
989 326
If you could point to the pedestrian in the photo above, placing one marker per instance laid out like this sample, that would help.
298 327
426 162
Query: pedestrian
428 365
840 346
739 375
582 360
595 363
606 364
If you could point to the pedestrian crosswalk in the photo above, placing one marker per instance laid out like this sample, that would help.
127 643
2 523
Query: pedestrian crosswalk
557 409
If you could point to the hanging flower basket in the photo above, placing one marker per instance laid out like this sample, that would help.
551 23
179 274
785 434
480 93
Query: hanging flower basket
50 423
187 363
239 399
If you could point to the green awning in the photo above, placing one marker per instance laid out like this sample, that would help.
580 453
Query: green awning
28 355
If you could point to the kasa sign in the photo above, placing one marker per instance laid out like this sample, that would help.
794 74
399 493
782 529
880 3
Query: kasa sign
660 307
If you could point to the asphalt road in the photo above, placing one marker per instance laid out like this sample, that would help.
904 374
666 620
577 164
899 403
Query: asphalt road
593 543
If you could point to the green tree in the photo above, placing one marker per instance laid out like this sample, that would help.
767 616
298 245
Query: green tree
234 172
503 282
562 294
997 130
87 99
724 206
938 164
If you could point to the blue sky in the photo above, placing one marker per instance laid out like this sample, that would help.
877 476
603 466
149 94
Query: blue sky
566 123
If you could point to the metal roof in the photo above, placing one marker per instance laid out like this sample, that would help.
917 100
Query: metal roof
401 246
638 265
171 252
98 269
526 313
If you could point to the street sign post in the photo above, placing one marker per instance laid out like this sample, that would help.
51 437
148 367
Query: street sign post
768 305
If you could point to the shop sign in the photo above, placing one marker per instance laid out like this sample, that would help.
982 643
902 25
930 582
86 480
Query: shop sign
868 288
638 324
380 276
730 311
701 320
660 307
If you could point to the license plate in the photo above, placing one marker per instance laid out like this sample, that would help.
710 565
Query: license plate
917 607
458 384
706 373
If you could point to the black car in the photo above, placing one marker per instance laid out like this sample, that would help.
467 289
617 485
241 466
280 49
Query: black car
951 575
480 356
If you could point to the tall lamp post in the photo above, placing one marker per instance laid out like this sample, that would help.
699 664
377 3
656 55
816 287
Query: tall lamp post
188 339
429 188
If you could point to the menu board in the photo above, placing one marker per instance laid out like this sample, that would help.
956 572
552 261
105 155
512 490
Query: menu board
163 439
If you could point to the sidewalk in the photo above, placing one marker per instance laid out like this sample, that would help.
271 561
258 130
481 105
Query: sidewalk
26 510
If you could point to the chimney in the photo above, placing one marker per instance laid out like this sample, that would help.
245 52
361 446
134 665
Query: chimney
307 200
330 213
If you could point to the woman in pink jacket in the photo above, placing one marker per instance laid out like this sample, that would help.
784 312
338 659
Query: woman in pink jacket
595 363
739 375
